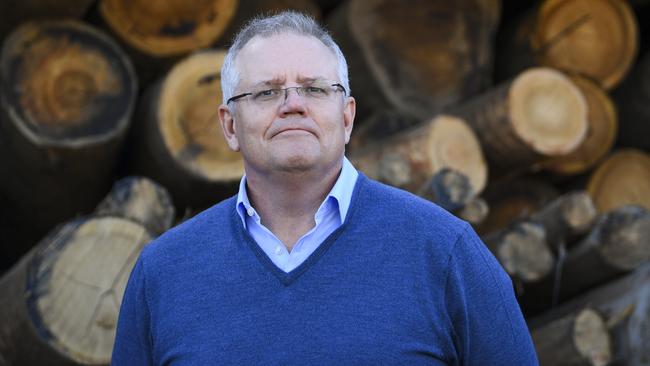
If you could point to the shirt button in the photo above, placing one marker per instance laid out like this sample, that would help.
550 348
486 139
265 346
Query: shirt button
278 250
250 211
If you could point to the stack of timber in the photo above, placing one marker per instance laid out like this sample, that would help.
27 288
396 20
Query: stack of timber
596 38
417 56
60 303
68 92
179 141
411 159
606 326
633 99
157 33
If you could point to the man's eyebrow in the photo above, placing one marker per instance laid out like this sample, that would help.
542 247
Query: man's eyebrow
277 82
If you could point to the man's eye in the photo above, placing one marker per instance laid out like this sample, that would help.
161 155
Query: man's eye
314 90
265 94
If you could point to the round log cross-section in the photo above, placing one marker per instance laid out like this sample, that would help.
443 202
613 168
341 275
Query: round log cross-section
540 113
183 146
168 27
60 303
67 98
601 134
410 159
623 178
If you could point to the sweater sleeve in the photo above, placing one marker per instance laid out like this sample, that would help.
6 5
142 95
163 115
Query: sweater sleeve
133 339
488 326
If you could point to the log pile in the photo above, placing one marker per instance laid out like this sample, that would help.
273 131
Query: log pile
532 122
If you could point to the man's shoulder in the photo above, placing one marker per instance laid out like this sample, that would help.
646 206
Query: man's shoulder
406 211
193 233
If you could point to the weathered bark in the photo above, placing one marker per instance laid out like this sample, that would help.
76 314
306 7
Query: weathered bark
578 339
381 125
179 142
539 114
141 200
595 38
625 304
444 48
410 159
67 99
633 101
60 302
15 12
601 134
566 218
514 200
623 178
523 251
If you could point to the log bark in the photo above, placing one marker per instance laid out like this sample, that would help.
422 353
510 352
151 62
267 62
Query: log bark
623 178
523 251
380 126
179 142
566 218
141 200
601 133
597 38
410 159
512 200
16 12
579 339
539 114
67 98
61 301
625 305
633 100
445 52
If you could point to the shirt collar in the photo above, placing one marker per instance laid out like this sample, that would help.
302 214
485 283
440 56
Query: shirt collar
341 193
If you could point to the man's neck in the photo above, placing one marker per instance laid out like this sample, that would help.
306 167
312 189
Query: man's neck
287 202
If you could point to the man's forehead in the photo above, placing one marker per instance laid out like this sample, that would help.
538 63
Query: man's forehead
283 56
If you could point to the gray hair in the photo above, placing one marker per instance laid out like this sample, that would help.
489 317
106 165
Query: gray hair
284 22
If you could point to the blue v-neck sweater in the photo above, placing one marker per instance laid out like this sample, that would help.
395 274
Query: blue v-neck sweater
401 282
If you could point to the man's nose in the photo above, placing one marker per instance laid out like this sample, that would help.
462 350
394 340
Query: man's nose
293 102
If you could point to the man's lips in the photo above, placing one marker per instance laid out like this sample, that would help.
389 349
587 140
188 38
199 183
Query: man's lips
298 130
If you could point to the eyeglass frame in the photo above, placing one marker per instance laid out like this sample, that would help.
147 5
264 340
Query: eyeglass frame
285 90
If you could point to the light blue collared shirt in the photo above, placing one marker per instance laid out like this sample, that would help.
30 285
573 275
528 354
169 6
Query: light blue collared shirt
329 216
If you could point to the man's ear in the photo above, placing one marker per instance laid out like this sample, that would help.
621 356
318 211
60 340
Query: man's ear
349 110
227 121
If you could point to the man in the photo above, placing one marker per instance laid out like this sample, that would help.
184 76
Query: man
313 263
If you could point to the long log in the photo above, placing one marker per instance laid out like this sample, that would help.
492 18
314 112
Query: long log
601 133
625 306
68 93
596 38
633 100
444 48
513 200
537 115
410 159
60 302
623 178
179 142
579 339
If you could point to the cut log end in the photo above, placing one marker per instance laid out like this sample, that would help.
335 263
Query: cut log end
524 254
625 237
66 79
79 279
548 111
169 27
596 38
623 178
449 189
189 119
591 338
578 212
475 211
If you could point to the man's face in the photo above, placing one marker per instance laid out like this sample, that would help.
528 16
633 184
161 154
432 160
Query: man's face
297 133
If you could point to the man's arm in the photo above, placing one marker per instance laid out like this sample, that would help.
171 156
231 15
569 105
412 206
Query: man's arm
488 325
133 338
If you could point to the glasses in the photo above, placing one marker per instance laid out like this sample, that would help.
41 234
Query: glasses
312 93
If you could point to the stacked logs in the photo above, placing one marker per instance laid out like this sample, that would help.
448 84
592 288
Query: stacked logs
531 125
